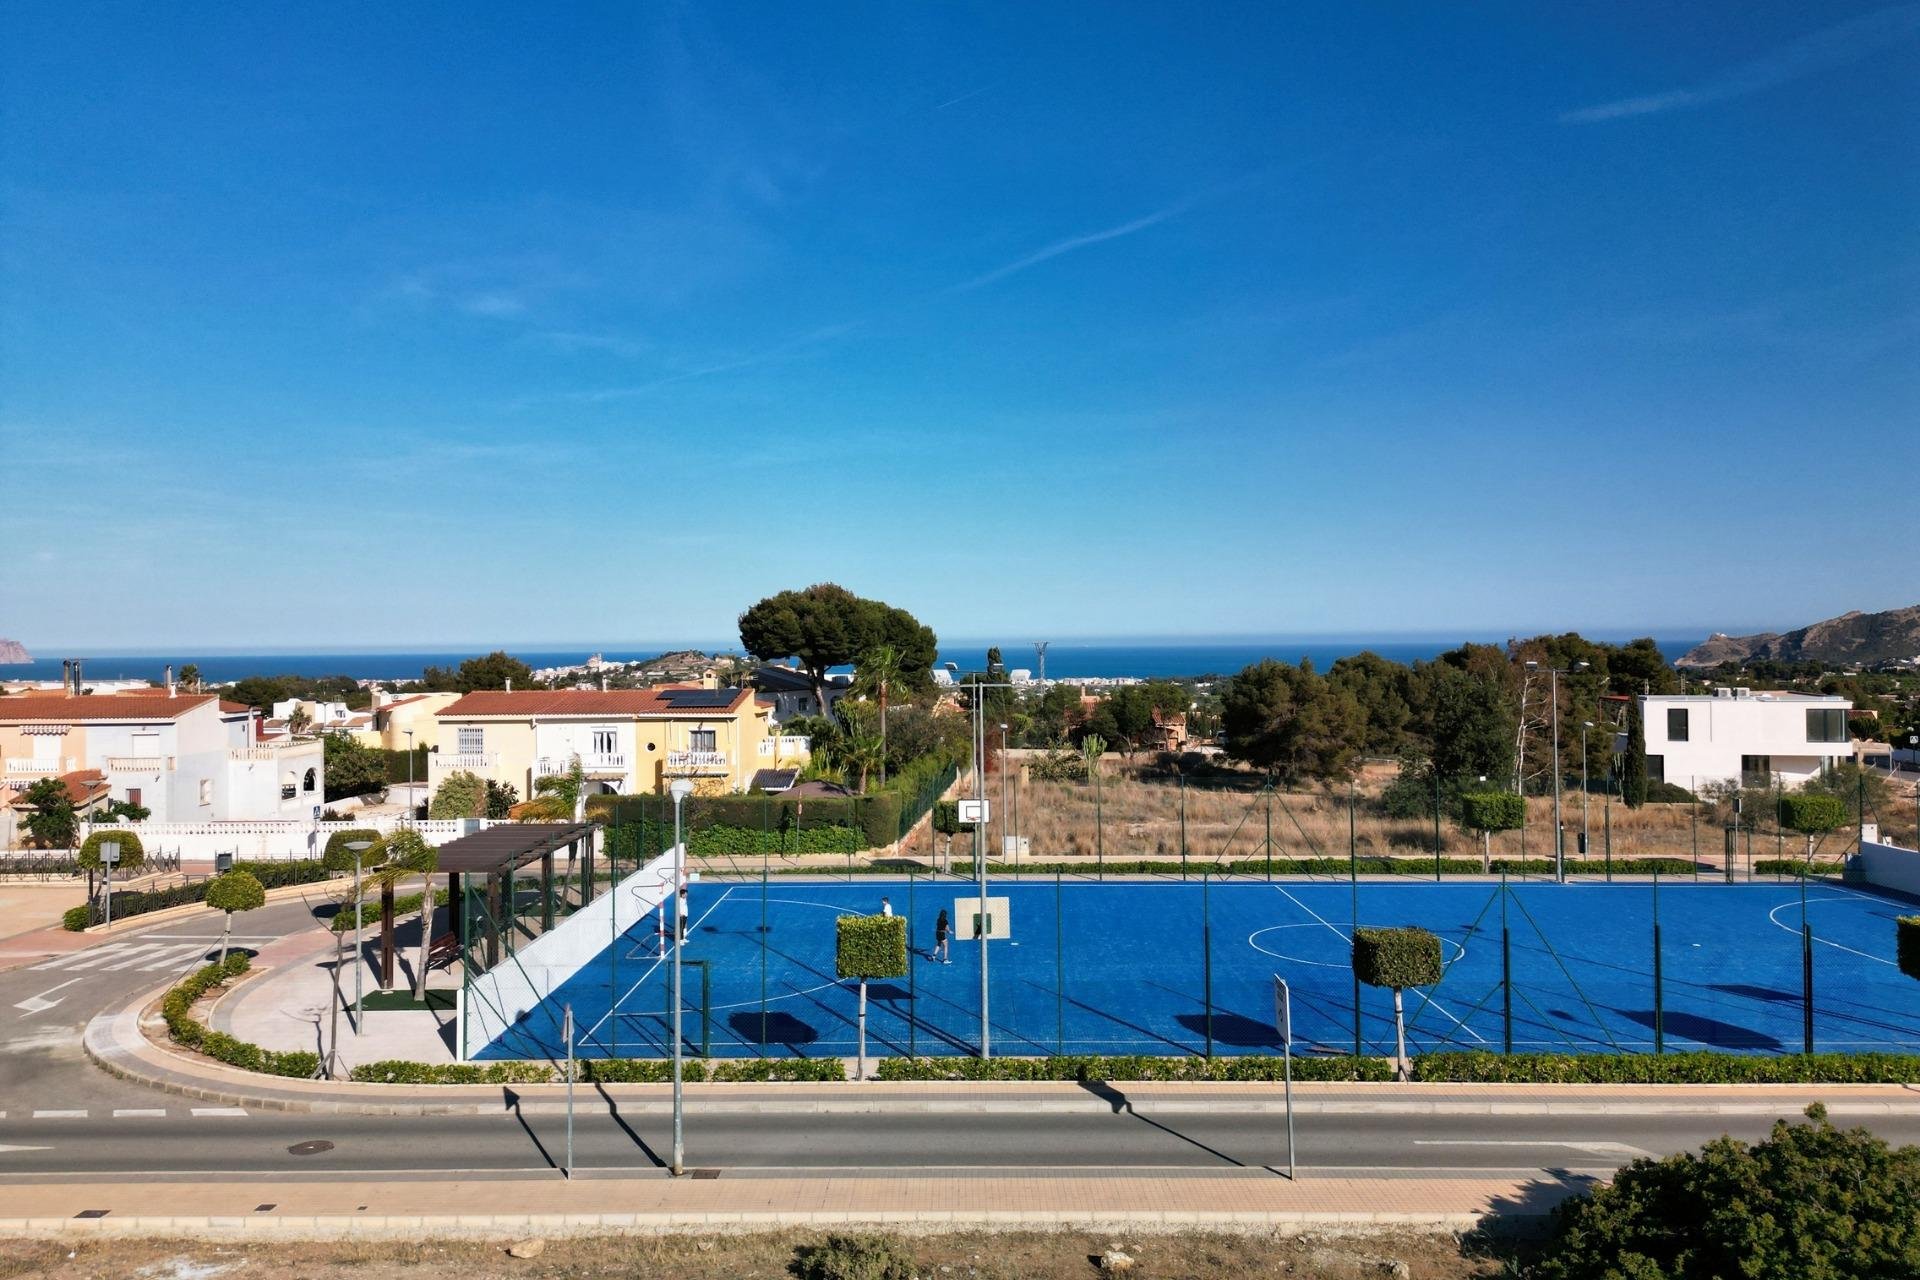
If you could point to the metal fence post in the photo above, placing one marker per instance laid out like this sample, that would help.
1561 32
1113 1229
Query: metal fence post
1183 826
1659 992
1059 968
1506 972
1206 956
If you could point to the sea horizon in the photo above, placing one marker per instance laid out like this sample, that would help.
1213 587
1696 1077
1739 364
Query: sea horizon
1066 659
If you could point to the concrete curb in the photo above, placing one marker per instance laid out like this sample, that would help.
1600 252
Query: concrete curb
118 1045
918 1222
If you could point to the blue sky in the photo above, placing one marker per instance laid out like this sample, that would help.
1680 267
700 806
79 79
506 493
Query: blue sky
417 323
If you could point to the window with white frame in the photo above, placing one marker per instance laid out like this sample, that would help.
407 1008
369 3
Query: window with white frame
702 740
605 740
206 791
470 740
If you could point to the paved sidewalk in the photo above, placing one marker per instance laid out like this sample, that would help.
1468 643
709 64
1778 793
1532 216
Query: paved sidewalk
655 1202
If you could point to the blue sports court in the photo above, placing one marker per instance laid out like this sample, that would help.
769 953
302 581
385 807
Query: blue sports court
1177 967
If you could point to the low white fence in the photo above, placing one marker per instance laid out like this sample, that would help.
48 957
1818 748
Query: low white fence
265 841
1888 866
510 1000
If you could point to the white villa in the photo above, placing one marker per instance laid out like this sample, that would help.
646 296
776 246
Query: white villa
1735 735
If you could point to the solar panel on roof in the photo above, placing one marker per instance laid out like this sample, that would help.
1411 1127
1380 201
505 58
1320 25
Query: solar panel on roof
697 698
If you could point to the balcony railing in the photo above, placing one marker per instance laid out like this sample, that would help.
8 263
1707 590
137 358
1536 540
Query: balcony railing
471 761
139 764
788 744
697 761
33 768
556 766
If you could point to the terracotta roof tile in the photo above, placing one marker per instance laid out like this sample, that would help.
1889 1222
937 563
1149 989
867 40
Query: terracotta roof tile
82 785
55 707
585 702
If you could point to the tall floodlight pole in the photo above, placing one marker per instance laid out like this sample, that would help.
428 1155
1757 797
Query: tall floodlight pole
359 849
1559 834
980 847
1006 849
680 788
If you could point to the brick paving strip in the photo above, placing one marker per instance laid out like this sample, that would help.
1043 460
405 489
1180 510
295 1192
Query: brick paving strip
657 1203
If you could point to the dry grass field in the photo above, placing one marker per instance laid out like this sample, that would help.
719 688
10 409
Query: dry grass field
1137 816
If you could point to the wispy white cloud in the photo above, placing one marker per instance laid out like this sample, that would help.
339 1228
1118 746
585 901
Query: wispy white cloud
790 348
968 95
1073 244
1819 51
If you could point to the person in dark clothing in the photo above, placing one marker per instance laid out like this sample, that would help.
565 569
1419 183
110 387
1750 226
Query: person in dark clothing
941 928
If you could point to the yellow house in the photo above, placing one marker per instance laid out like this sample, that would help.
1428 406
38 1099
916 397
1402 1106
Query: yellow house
401 720
628 741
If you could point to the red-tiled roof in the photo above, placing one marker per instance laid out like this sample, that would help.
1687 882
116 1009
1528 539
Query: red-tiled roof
55 707
233 708
584 702
82 785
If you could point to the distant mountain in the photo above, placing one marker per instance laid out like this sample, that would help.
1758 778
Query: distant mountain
1863 638
12 651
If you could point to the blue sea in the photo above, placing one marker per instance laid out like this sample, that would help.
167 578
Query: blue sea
1064 659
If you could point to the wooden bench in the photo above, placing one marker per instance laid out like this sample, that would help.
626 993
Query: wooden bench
443 950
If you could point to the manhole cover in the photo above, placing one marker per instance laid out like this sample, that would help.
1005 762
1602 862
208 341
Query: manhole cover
705 1175
313 1148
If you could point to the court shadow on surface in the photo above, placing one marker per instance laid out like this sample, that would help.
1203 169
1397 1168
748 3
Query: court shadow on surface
1232 1030
782 1030
888 991
1707 1031
1770 994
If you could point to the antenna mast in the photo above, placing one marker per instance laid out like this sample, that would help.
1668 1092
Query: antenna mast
1040 652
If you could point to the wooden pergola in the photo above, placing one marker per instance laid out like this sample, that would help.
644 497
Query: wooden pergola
497 855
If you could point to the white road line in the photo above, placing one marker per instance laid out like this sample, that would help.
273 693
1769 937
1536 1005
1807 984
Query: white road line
219 1111
1620 1149
138 1113
100 955
40 1003
59 1115
175 959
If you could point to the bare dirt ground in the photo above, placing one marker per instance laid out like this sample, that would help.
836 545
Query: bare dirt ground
962 1256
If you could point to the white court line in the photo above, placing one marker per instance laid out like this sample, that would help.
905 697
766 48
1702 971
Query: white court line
660 960
1431 1002
138 1113
1774 917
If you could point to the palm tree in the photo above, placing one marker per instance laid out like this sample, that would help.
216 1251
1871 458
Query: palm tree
860 748
405 854
877 672
298 721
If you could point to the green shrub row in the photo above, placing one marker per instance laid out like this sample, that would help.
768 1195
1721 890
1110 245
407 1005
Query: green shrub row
1792 867
271 875
369 912
1413 868
603 1071
638 841
1669 1068
1133 1067
176 1007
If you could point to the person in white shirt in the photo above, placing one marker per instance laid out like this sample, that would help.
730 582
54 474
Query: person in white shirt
886 906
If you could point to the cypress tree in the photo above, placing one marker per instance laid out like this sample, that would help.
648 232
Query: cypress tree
1633 777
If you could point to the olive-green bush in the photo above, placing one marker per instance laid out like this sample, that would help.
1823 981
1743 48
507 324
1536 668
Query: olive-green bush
338 858
871 946
1397 958
131 852
1810 813
1493 810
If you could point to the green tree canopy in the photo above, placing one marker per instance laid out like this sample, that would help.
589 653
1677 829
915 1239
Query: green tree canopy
1291 722
336 857
461 795
352 769
1633 766
50 819
236 891
826 626
1811 1202
493 671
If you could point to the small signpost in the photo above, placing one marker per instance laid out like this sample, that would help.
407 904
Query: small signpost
567 1031
1283 1023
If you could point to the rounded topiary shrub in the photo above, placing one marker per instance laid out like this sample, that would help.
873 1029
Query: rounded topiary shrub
1811 814
131 852
337 857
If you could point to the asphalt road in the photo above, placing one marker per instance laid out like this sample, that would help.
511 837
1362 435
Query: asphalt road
181 1143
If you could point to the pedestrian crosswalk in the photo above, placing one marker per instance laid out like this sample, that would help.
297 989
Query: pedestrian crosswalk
146 954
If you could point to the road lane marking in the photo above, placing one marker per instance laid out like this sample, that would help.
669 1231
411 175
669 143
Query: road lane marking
138 1113
1590 1148
59 1115
219 1111
4 1149
98 955
40 1003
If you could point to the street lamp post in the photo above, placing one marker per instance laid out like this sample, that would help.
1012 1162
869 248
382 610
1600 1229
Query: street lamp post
980 847
1559 833
1005 845
680 788
359 848
1586 727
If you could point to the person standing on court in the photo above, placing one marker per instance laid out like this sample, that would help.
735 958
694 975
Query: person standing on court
683 913
940 930
886 906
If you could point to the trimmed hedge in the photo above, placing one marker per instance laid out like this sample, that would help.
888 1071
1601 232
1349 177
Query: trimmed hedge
1668 1068
1907 944
1812 814
177 1005
1397 958
602 1071
1134 1067
271 875
870 946
1792 868
369 912
1492 810
132 853
638 841
337 857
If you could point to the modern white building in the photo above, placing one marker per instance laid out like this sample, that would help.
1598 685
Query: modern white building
1739 736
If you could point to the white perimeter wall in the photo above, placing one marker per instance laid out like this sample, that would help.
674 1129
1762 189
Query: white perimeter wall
1888 866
